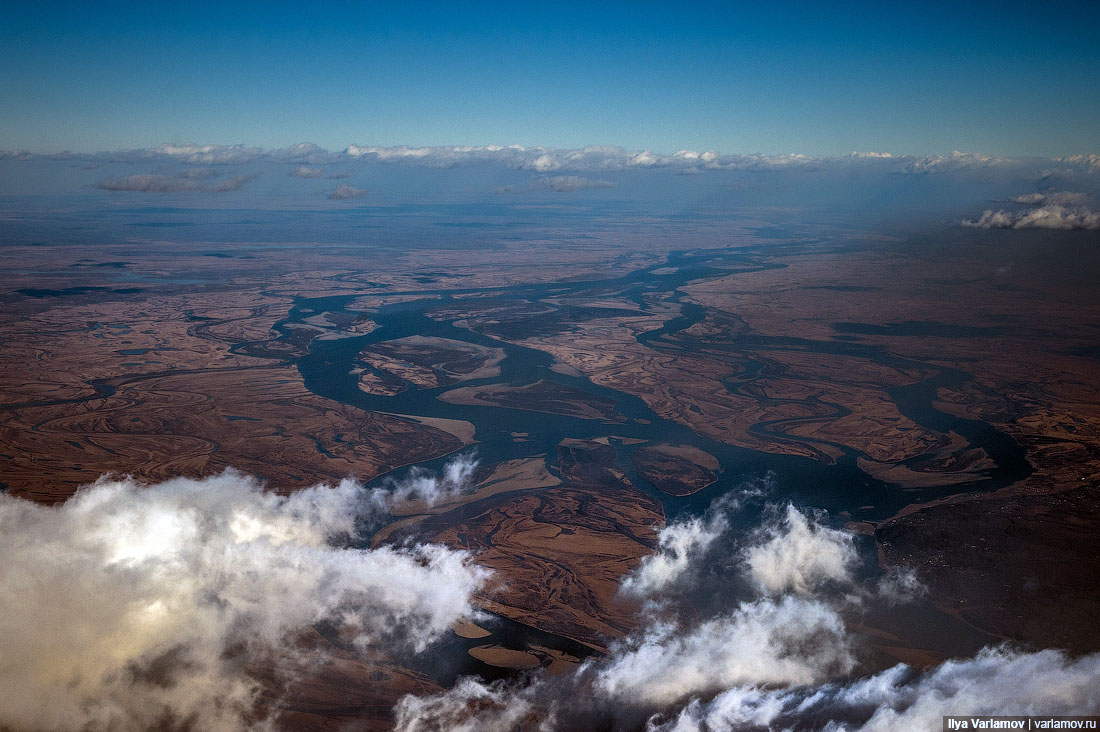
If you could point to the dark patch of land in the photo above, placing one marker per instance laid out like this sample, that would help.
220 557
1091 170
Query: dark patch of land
541 396
677 470
1023 567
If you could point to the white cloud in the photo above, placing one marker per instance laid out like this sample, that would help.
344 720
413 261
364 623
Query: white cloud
570 183
787 641
779 662
796 554
187 181
1090 162
898 586
956 161
305 152
591 158
543 163
998 681
128 606
679 545
1062 198
473 706
1052 216
423 486
199 173
345 192
304 171
557 184
216 154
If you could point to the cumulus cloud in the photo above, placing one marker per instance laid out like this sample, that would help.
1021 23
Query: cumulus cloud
781 661
1052 216
305 152
132 607
339 175
1090 162
1062 198
787 641
211 154
194 154
795 553
198 174
956 161
998 681
594 159
473 706
557 184
899 586
186 181
304 171
345 192
591 158
569 183
543 163
424 486
679 545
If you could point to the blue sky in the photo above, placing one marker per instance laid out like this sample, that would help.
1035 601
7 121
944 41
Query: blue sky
1003 78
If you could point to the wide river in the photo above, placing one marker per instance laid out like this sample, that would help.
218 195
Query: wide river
328 370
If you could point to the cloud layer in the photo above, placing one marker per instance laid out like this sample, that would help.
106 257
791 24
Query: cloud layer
1062 198
557 184
790 641
186 181
998 681
567 161
1051 216
795 554
679 546
345 192
130 606
781 661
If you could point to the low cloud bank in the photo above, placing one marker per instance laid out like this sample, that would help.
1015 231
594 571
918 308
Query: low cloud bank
1051 216
345 192
782 660
569 183
1062 198
187 181
786 641
998 681
679 546
956 161
423 486
556 184
796 554
132 607
593 161
304 171
689 544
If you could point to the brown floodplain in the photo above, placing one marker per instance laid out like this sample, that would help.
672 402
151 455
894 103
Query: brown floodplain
167 379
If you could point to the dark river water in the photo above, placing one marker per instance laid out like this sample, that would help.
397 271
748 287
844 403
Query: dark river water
837 487
842 486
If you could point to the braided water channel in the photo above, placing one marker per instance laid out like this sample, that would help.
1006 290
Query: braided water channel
329 371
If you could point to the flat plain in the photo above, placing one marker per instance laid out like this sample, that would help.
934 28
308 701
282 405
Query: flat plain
952 418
